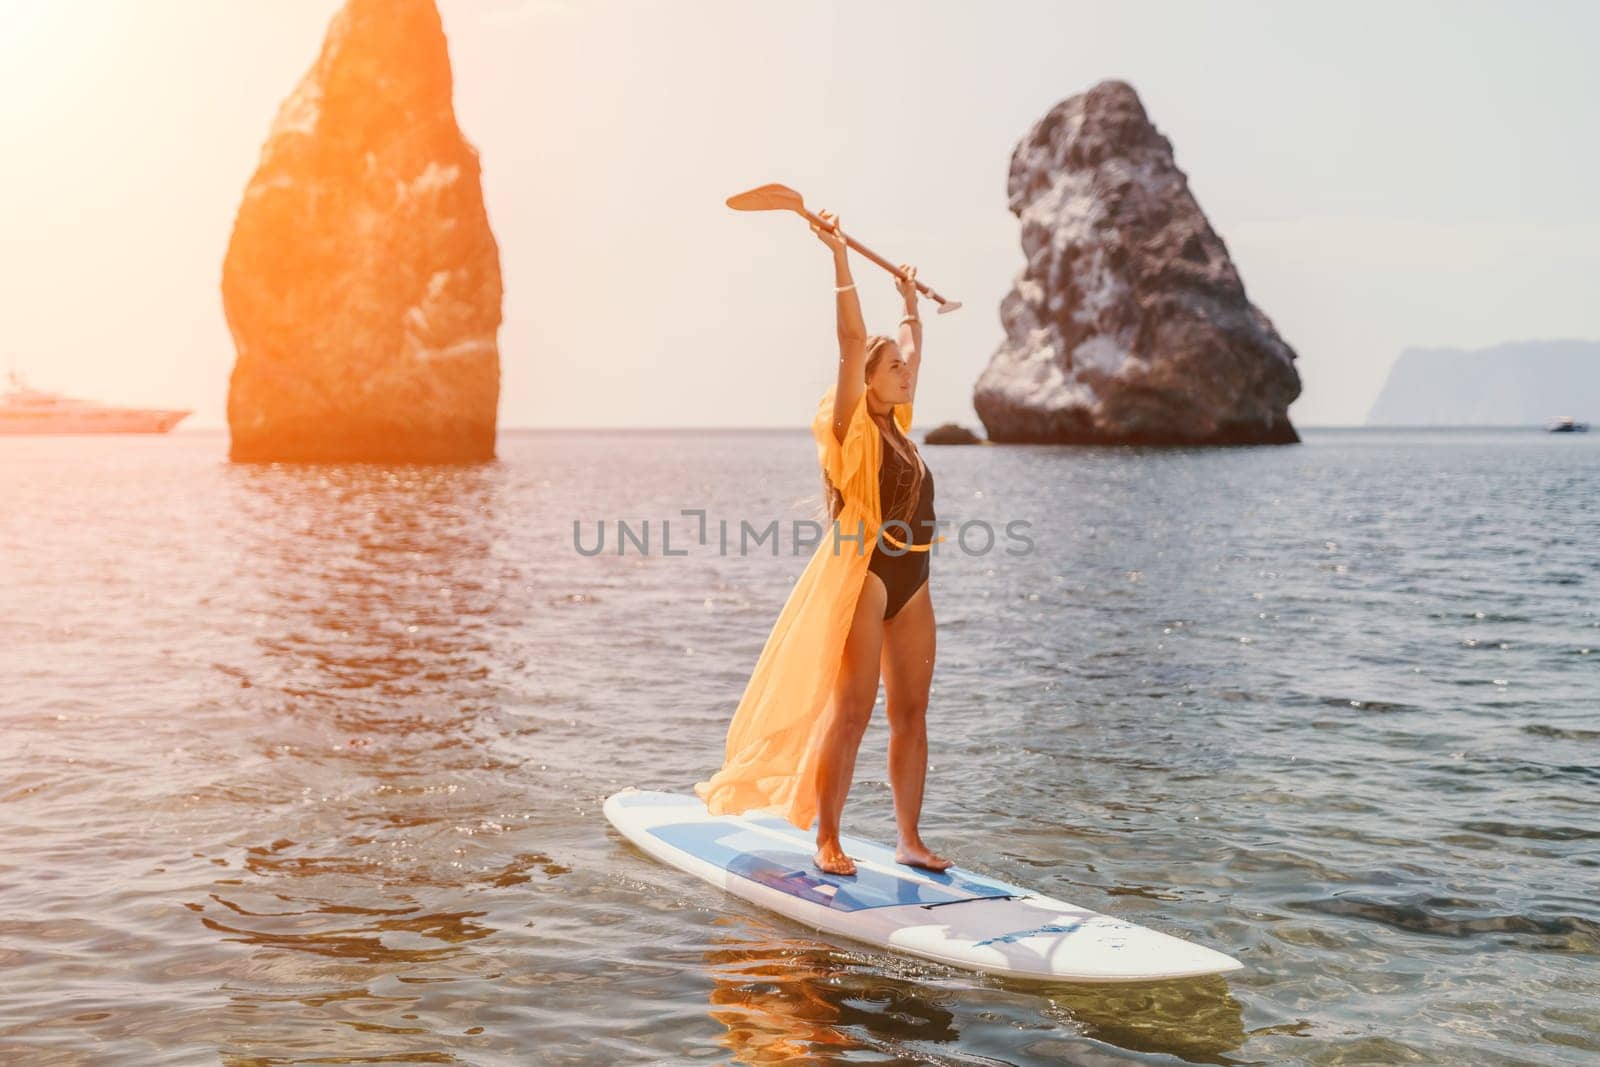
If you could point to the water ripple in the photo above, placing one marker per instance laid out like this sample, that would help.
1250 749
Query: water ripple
306 762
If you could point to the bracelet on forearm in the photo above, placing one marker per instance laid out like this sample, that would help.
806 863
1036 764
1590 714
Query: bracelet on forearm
842 288
909 318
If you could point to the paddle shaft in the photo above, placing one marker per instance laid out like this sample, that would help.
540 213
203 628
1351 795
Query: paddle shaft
870 254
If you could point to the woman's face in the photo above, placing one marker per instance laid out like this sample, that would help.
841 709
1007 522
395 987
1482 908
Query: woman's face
890 380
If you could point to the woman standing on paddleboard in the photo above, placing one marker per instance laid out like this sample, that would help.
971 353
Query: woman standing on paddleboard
892 629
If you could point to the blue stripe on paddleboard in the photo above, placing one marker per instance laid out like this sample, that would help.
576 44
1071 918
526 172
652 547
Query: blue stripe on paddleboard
773 862
958 879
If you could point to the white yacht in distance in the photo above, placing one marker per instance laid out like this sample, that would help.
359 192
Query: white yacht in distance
25 410
1565 424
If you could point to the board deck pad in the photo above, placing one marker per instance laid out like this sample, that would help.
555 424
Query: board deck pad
774 861
954 916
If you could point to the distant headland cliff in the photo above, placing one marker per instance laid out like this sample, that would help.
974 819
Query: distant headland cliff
362 283
1128 323
1519 383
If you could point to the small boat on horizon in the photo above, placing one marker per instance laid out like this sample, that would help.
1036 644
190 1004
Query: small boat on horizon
1565 424
27 410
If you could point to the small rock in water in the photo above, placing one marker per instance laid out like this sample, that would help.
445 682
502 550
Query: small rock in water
951 433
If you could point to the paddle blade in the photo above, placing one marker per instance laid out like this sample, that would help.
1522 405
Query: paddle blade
948 306
767 198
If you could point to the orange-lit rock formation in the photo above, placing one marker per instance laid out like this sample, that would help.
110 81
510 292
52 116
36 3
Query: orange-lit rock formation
362 282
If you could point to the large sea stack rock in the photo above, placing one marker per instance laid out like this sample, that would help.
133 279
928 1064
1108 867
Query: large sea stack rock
1129 323
362 282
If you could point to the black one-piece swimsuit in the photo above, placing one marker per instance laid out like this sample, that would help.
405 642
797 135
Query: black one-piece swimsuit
903 570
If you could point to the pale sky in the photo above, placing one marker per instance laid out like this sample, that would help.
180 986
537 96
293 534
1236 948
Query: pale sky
1383 174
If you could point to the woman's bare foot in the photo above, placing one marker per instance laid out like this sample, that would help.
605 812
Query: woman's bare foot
831 858
920 856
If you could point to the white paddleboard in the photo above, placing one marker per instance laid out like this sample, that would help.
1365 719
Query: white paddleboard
955 916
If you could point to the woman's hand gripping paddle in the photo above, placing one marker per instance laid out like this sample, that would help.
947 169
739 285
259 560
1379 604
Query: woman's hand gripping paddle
782 198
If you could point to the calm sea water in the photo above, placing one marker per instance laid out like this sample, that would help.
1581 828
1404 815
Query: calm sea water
305 764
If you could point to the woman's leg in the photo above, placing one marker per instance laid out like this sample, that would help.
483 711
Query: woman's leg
854 693
908 653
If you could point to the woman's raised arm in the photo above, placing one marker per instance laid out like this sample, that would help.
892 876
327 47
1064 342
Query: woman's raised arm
911 324
852 328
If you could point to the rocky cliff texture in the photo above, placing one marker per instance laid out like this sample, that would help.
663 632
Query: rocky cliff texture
362 282
1129 323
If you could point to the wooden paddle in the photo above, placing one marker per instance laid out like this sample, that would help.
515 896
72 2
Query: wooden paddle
782 198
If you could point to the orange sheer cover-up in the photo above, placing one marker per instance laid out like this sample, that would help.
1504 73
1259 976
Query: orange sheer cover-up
771 758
